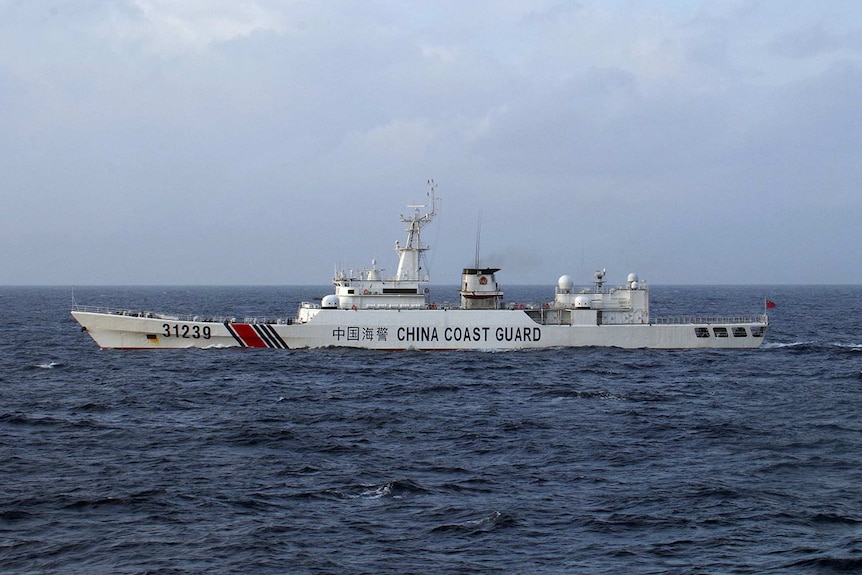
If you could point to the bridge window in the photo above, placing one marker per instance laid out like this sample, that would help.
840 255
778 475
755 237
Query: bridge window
720 331
701 332
739 332
757 331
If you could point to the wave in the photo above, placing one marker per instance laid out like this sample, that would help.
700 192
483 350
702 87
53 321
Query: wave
146 497
393 489
831 518
11 515
779 345
561 394
814 346
484 524
41 420
830 564
396 489
18 418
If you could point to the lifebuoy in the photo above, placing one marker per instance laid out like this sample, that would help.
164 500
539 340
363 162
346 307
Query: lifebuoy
365 292
353 307
483 280
520 306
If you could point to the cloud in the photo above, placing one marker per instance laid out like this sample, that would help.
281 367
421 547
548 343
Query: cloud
171 27
588 134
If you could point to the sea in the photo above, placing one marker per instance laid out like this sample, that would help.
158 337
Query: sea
341 461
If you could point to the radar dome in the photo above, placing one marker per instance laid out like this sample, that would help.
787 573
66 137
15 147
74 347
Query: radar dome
582 302
633 278
565 283
329 302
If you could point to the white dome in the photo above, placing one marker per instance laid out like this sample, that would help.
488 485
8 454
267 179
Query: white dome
329 302
632 278
582 302
565 283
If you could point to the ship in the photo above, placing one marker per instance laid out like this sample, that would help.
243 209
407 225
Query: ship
370 311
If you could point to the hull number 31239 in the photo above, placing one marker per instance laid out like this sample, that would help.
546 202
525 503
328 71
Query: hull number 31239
186 331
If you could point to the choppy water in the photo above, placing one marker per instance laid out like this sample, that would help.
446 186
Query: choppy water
334 461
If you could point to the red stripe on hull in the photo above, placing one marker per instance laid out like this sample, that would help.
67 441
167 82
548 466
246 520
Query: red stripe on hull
248 335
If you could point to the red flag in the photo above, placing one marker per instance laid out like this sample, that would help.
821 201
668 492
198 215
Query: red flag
770 304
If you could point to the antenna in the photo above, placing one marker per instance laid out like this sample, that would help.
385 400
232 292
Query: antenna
478 238
432 194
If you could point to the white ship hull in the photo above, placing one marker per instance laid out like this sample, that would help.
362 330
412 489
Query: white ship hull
428 329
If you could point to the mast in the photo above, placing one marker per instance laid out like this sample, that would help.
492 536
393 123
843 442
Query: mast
410 254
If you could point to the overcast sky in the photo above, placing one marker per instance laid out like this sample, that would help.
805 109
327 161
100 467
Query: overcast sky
262 141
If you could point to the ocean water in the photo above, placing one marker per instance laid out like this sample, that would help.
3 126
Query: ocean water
335 461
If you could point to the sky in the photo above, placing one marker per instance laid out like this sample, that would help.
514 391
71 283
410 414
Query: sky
260 142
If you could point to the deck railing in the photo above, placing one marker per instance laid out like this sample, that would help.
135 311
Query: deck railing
667 320
126 312
710 319
175 317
